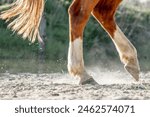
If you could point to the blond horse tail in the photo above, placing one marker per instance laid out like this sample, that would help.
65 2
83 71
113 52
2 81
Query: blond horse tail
23 17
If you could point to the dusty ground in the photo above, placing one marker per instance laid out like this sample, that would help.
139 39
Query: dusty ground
113 85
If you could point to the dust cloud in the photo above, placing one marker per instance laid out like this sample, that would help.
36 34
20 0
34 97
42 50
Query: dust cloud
112 85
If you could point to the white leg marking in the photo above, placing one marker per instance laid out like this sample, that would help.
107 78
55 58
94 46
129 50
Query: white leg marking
124 47
75 57
128 53
76 62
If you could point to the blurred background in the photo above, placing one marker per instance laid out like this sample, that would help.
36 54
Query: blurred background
18 55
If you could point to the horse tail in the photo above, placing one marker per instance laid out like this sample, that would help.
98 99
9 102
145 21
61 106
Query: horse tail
23 17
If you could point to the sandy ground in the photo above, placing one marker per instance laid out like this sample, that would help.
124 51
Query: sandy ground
112 85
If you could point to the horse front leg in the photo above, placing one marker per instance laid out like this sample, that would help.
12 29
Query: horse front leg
126 50
128 53
79 13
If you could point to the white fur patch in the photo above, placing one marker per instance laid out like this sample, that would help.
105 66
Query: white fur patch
75 57
123 45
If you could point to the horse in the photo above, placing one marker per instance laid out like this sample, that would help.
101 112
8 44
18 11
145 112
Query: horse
24 17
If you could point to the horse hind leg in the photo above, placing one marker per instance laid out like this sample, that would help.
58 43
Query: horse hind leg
79 13
104 13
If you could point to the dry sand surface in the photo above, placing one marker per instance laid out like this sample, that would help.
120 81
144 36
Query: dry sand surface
112 85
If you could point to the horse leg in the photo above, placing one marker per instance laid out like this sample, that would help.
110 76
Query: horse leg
104 13
79 12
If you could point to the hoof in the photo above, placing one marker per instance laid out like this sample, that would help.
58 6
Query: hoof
89 81
134 71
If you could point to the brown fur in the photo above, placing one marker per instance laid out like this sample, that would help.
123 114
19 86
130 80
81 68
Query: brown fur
104 12
27 14
79 12
25 17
